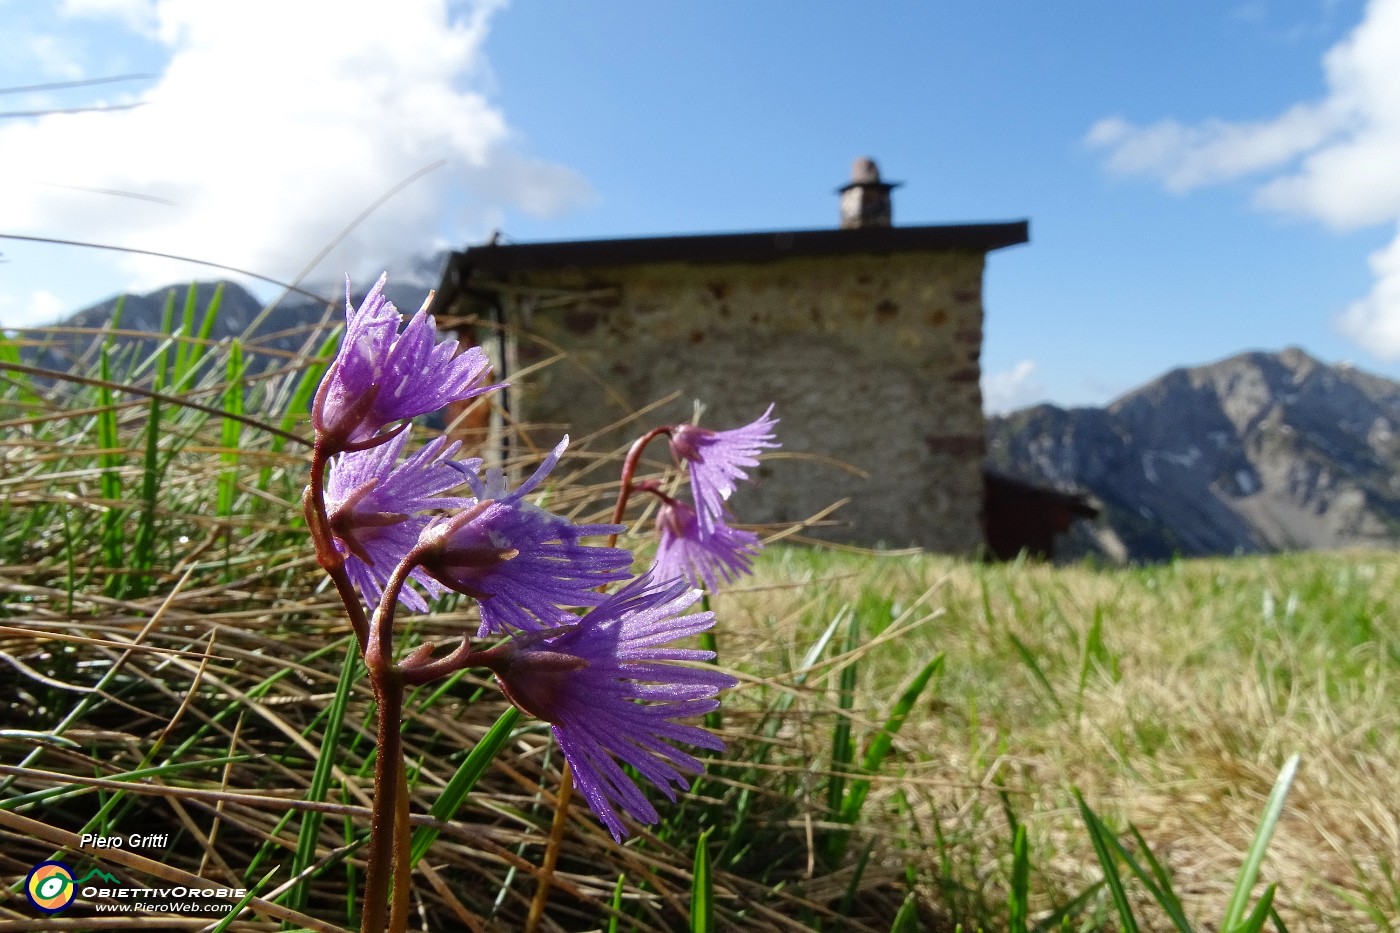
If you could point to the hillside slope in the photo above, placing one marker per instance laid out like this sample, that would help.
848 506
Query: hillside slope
1256 453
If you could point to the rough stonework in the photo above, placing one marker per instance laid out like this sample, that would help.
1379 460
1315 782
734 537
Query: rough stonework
872 362
865 200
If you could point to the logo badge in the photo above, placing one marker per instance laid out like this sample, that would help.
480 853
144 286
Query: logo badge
50 886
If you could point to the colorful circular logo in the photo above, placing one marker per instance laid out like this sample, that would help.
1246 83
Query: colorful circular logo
50 886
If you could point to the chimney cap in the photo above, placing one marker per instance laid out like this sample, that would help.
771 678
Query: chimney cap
866 174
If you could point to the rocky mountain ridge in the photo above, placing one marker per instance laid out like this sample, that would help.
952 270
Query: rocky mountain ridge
1259 452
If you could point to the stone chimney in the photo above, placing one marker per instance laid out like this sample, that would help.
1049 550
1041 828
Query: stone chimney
865 202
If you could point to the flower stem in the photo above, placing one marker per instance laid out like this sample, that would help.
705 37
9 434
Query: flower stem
629 469
388 772
551 852
398 914
387 861
330 559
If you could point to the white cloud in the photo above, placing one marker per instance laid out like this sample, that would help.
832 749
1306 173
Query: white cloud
1336 160
42 307
1186 157
1012 389
1374 321
53 56
271 127
138 15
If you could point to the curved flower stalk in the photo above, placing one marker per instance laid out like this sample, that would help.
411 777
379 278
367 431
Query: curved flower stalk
611 690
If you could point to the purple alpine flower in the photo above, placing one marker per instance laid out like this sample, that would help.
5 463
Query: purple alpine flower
375 506
685 552
520 562
609 688
381 375
717 459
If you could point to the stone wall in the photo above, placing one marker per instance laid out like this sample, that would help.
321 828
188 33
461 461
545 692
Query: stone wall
872 363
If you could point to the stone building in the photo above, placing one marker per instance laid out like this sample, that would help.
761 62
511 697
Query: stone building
867 339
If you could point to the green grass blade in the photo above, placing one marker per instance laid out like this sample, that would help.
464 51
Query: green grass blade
305 854
1018 900
1094 653
1099 835
237 909
880 746
1249 871
853 886
908 915
231 432
23 384
185 345
842 749
464 780
818 647
110 462
616 904
1160 884
1060 919
843 752
1028 657
144 541
299 407
188 366
702 908
1260 915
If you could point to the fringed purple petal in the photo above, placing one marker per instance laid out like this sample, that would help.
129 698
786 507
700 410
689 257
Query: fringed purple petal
378 507
719 459
687 551
621 704
381 376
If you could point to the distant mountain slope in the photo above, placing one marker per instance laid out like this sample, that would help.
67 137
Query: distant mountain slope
1259 452
285 328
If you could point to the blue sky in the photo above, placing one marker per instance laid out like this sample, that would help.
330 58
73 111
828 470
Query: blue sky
1200 179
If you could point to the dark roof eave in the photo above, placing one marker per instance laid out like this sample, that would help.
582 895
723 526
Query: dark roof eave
741 247
1080 502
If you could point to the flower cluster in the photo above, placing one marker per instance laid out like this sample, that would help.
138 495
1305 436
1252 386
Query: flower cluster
400 529
697 542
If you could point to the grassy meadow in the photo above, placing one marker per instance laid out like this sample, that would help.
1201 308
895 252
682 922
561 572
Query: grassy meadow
905 750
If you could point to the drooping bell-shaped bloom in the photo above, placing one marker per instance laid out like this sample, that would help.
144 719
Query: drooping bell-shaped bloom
381 376
519 561
378 507
610 688
701 559
717 460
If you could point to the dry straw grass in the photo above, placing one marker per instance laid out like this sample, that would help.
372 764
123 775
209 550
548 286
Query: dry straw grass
1174 710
